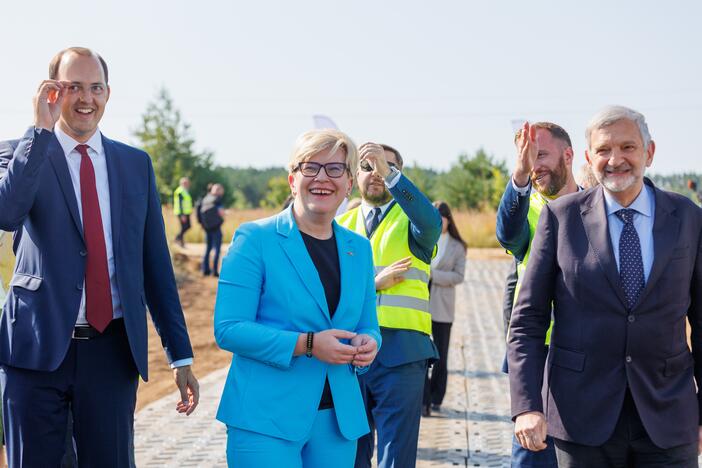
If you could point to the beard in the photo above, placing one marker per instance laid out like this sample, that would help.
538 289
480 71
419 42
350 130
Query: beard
556 181
377 199
618 184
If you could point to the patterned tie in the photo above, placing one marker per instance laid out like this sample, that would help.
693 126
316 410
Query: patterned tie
372 221
631 271
98 295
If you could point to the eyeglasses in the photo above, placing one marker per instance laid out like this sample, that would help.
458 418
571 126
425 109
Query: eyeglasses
311 169
366 167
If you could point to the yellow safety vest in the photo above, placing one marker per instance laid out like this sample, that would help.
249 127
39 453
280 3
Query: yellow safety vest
187 206
405 305
536 203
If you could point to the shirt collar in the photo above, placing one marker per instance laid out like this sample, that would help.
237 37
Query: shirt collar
642 203
366 207
68 144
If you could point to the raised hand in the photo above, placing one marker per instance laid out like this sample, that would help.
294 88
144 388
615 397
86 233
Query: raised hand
47 103
374 154
392 274
527 151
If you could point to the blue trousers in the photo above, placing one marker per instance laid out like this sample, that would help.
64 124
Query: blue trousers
214 242
97 381
393 398
523 458
324 446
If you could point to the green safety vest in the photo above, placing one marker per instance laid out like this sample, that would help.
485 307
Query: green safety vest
187 206
536 203
405 305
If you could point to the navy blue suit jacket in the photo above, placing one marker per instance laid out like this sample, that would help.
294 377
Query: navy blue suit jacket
38 202
598 347
512 227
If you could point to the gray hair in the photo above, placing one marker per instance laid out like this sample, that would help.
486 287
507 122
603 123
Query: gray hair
613 114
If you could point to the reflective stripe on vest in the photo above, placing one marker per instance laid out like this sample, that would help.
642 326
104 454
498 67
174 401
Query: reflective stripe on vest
536 205
187 207
405 305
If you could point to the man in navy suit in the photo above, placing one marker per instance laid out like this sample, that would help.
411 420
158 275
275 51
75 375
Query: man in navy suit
91 254
622 266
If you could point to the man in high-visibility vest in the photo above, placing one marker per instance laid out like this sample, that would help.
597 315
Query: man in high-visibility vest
543 172
182 208
403 228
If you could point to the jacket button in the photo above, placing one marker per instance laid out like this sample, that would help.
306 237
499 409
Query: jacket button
631 319
628 359
83 253
79 286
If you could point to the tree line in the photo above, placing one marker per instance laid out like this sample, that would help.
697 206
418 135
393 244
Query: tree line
473 182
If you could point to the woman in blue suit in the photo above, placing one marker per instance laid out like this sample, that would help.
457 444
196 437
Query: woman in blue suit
296 306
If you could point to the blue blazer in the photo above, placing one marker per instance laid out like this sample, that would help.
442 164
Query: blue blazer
512 229
38 202
270 292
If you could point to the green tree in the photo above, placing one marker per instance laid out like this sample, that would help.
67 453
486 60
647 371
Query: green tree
474 182
278 191
166 137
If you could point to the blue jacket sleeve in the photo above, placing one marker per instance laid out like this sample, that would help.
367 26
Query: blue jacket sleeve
19 176
241 281
425 220
512 228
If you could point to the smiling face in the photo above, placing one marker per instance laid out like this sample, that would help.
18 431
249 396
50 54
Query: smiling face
550 173
618 159
85 96
372 185
321 195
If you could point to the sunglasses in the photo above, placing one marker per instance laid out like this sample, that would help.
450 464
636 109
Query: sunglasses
366 167
311 169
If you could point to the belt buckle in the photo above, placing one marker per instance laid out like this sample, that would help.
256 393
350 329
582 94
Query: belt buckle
73 335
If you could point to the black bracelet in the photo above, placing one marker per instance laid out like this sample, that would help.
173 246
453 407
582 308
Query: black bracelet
310 341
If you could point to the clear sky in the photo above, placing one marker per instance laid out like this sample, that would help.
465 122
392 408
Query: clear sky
431 78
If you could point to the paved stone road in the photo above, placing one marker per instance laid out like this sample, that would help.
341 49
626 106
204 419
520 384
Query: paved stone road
473 428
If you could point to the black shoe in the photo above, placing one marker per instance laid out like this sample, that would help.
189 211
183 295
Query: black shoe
216 274
205 273
435 407
426 411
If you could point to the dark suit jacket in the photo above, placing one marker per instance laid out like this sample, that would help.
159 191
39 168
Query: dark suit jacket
598 349
37 201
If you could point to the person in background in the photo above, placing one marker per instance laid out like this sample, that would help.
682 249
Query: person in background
585 178
182 208
296 307
403 227
692 185
447 270
211 215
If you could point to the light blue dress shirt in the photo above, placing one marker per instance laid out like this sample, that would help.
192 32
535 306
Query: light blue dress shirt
644 216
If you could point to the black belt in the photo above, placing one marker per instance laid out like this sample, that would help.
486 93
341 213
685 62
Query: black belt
84 332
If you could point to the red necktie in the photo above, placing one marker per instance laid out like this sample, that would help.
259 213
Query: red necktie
98 294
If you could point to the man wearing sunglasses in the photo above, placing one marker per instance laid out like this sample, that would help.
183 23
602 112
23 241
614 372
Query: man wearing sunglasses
403 228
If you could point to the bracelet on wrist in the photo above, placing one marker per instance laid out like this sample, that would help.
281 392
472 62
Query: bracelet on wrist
310 342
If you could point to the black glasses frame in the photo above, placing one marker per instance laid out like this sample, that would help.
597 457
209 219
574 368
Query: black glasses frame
307 165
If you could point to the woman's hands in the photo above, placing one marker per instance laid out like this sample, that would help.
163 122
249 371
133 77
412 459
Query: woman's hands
327 347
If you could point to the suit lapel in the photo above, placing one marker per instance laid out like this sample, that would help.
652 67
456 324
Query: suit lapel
347 263
294 247
58 161
114 177
594 215
665 234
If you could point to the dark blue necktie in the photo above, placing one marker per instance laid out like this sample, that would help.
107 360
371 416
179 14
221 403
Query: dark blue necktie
372 220
631 271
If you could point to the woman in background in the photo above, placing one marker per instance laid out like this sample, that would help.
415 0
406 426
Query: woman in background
296 306
447 270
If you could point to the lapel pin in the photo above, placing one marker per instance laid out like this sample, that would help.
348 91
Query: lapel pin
349 253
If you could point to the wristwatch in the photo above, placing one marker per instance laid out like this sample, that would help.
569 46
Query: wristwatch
391 175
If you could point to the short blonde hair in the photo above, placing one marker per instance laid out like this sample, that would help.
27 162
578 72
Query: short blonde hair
314 141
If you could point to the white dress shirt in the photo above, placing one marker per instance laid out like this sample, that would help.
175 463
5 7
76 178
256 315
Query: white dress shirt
97 157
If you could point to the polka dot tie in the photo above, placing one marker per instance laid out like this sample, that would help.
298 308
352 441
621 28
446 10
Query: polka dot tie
631 272
372 221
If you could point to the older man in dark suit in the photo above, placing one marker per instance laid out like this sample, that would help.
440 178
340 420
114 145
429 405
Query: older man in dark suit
622 266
